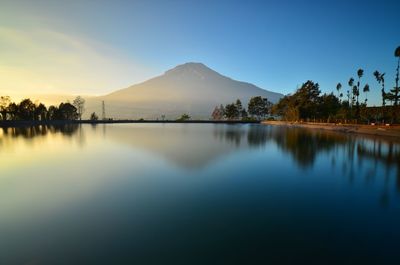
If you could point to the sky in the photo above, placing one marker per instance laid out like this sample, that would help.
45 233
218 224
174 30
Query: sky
93 47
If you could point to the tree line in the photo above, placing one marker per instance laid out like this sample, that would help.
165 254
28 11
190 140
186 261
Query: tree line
308 104
258 108
27 110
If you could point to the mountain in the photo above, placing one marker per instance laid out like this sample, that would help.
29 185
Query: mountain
191 88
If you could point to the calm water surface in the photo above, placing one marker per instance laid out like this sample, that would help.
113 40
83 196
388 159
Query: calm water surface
197 194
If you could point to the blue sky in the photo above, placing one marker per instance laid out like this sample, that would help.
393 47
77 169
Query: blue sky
94 47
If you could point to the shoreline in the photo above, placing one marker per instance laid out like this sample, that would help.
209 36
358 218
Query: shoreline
6 124
371 130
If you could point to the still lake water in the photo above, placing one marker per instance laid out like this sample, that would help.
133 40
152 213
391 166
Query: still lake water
197 194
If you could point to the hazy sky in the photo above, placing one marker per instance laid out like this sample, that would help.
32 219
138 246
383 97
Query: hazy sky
94 47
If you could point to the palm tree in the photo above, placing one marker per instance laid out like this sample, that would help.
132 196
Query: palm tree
360 73
381 80
351 83
355 93
338 87
366 90
396 90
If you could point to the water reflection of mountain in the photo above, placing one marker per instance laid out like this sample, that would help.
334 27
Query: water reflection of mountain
197 145
189 146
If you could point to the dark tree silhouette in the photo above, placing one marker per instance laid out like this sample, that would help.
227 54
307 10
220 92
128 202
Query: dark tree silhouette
338 88
366 90
351 85
259 107
40 112
184 117
231 111
239 107
79 104
94 116
4 103
67 111
381 80
394 93
26 110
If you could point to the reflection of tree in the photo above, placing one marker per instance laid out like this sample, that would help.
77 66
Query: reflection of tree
255 135
389 156
234 136
357 153
35 131
304 145
231 133
258 135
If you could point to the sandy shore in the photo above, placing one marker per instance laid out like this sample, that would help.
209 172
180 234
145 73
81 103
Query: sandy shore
373 130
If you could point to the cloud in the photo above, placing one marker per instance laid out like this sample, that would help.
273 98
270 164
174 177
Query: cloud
46 61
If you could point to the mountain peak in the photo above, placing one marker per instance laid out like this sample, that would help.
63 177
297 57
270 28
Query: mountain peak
195 68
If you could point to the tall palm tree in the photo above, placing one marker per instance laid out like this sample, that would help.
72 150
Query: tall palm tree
366 90
396 90
360 73
338 87
356 94
381 80
351 84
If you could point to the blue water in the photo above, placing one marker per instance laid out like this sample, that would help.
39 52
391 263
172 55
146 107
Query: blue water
197 194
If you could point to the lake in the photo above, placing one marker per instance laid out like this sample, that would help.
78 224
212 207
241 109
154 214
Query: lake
197 194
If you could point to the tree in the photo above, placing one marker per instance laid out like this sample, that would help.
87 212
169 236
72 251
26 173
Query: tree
244 114
4 103
351 84
231 111
366 90
26 110
40 112
292 113
184 117
307 103
329 106
282 106
217 114
356 93
338 87
381 80
258 107
12 110
94 116
239 107
67 111
393 94
360 73
222 110
396 90
79 104
307 100
52 113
